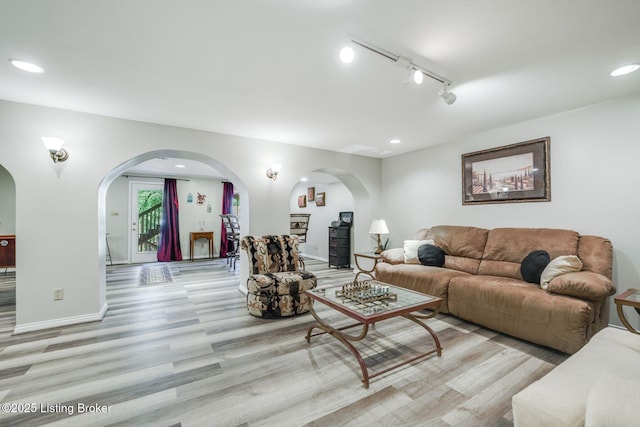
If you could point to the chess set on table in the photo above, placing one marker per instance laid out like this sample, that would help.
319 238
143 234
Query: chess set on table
365 292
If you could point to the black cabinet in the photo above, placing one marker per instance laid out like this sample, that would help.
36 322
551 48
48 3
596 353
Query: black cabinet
340 247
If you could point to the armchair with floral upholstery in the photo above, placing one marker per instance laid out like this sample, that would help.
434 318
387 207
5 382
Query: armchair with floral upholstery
277 280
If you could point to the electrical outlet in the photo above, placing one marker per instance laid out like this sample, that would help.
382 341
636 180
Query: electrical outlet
58 294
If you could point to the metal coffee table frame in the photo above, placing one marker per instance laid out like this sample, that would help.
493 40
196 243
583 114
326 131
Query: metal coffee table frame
364 320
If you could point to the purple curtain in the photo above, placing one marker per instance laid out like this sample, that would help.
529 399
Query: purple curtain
169 246
227 208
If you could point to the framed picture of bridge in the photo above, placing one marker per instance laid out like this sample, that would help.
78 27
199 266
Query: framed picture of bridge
511 173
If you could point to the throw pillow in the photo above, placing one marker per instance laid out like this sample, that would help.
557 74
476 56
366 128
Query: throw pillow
558 266
533 265
411 250
431 255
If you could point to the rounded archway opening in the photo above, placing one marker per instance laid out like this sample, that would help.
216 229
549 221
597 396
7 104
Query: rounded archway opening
324 194
113 248
7 242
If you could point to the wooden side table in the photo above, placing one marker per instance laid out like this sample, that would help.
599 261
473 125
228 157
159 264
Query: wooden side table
195 235
631 298
368 271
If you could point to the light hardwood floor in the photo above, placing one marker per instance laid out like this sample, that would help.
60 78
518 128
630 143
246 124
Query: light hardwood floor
189 354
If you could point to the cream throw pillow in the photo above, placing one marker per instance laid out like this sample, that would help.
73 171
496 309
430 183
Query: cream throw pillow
411 250
557 266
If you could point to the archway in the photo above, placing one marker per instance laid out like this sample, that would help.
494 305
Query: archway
344 192
7 241
125 166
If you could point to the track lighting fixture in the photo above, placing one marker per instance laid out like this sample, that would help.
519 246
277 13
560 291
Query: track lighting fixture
347 55
448 97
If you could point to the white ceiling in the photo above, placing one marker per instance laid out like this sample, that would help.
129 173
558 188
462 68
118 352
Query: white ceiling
170 167
269 69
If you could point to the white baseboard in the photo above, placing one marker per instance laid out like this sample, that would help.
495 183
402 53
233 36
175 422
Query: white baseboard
65 321
243 289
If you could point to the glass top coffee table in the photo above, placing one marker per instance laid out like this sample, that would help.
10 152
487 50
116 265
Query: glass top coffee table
368 302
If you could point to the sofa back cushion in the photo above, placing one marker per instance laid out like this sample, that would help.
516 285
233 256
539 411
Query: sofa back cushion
463 246
596 254
507 247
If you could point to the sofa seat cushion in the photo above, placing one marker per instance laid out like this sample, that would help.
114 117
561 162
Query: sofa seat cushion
560 398
284 283
522 310
421 278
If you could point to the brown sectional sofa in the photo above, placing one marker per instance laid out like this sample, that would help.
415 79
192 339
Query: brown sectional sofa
481 282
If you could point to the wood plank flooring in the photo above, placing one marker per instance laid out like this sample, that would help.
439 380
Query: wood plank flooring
189 354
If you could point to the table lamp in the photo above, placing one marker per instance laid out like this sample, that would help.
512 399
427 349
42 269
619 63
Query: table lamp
378 227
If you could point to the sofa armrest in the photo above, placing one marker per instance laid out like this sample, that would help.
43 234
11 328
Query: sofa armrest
582 284
393 256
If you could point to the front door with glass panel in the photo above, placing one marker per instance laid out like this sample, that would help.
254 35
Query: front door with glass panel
146 213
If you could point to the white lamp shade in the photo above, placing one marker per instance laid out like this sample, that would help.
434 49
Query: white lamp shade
52 144
378 226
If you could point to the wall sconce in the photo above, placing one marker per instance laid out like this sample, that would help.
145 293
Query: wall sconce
54 145
272 172
378 227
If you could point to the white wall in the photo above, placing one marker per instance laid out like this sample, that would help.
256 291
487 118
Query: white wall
192 214
338 199
117 204
594 174
61 209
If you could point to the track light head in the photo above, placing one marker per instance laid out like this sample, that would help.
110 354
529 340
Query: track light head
346 54
418 77
448 97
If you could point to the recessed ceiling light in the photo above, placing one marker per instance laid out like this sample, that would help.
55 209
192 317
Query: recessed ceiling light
394 141
26 66
304 179
180 166
624 70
